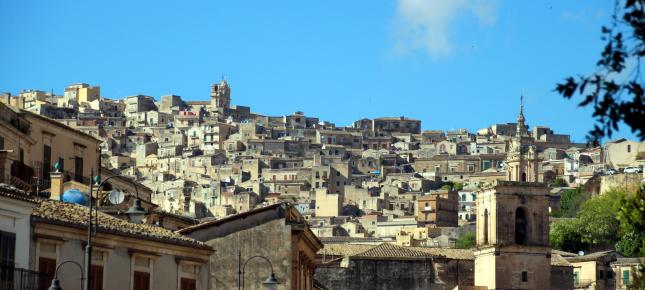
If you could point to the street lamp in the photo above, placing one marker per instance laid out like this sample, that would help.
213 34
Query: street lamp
56 283
270 282
135 212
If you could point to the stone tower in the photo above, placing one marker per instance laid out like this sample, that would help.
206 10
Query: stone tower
220 96
513 236
521 126
522 160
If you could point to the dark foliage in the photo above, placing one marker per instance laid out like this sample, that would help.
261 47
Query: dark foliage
615 100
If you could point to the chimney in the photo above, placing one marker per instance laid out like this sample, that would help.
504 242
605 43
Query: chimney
57 185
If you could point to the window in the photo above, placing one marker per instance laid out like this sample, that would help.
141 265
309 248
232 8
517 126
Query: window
576 278
97 277
7 255
97 270
1 142
601 274
141 281
142 269
626 278
520 226
485 226
188 284
47 253
47 268
78 169
47 161
629 148
525 276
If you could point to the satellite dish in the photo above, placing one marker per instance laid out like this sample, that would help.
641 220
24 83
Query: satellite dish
116 197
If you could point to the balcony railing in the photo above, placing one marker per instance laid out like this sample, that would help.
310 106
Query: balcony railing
427 209
12 278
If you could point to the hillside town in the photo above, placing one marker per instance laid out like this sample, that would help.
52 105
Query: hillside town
228 198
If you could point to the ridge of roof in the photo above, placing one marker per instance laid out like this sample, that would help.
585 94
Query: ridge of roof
228 218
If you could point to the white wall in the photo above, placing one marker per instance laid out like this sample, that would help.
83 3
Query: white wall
15 218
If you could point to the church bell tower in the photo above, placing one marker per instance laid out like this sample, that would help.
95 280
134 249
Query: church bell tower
512 236
220 96
522 159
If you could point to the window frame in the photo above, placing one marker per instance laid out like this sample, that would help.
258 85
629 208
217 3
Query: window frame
136 268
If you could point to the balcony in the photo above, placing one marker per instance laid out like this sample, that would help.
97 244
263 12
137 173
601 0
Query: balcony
427 209
12 278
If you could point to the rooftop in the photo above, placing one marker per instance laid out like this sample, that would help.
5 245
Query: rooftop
74 215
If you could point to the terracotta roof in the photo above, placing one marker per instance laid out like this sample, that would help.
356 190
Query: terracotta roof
353 240
449 253
386 250
344 249
557 260
592 256
218 222
392 251
74 215
14 193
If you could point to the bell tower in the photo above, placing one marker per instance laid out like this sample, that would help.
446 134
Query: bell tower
512 236
220 96
521 126
522 160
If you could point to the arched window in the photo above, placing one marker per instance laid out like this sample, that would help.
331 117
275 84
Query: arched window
485 226
523 176
520 226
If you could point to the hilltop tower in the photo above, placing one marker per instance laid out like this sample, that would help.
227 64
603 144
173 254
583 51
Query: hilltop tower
220 96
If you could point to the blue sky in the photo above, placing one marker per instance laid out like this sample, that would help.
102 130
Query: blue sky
452 64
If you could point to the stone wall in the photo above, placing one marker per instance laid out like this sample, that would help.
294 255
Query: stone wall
272 240
561 278
377 274
629 182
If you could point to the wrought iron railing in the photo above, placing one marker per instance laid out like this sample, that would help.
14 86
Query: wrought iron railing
12 278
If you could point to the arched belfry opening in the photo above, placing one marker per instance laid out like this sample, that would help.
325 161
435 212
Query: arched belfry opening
521 225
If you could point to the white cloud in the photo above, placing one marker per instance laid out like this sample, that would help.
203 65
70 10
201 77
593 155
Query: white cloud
426 24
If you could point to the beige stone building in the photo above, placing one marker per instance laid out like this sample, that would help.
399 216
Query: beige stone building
623 153
438 209
35 143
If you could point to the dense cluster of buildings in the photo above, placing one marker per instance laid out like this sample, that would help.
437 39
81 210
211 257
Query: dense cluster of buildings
330 207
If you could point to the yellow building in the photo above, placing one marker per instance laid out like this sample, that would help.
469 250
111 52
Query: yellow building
35 143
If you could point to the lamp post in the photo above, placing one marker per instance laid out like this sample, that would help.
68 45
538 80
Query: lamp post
270 282
56 284
135 212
